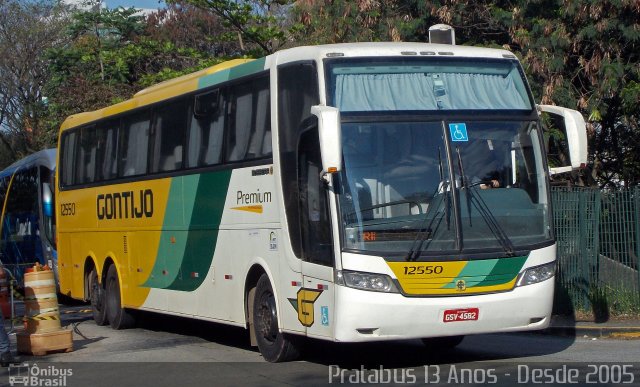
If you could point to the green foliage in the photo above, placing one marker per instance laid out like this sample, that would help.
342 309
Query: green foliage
606 301
167 73
118 24
114 53
260 25
343 21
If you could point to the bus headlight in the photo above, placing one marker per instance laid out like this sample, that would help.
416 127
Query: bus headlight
536 274
366 281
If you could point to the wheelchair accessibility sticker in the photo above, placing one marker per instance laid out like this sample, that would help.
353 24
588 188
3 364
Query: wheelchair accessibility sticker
458 132
324 312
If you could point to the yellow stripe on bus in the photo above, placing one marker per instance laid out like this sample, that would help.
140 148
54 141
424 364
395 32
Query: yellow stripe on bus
255 208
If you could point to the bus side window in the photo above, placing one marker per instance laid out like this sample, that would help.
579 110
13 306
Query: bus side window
134 145
206 131
68 158
260 142
249 121
87 154
241 116
314 210
168 138
108 150
297 92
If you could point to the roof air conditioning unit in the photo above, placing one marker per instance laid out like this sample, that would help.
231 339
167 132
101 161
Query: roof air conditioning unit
442 34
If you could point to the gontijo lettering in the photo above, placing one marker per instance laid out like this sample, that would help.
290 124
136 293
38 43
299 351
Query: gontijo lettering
125 205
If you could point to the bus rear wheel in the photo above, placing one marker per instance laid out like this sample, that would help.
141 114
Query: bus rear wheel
119 318
96 294
274 345
442 342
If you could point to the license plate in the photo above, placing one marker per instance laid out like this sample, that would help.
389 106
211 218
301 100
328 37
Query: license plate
453 315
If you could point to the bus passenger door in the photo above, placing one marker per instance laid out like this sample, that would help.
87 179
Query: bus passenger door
316 298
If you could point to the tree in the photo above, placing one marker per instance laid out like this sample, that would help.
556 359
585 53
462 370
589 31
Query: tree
6 157
261 26
106 29
112 54
189 27
27 30
341 21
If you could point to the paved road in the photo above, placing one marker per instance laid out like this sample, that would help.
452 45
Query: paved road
170 351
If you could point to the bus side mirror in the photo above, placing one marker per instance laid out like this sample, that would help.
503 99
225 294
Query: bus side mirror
47 200
330 137
575 131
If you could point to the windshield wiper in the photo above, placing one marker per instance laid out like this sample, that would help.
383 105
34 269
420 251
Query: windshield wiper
425 231
484 211
383 205
446 196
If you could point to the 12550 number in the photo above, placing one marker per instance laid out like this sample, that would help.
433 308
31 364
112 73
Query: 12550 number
417 270
67 209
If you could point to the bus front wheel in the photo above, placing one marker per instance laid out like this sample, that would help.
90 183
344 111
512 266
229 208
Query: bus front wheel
97 299
274 345
118 317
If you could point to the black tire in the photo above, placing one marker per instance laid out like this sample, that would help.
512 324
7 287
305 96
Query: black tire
118 317
442 342
96 295
274 346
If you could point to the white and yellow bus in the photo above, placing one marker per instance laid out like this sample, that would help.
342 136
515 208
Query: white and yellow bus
335 192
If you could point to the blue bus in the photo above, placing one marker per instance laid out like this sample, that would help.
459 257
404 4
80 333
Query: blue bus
27 215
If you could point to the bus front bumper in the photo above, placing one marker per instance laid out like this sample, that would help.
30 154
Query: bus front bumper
370 316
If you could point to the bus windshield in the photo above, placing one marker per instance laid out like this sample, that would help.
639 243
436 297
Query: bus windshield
397 186
426 83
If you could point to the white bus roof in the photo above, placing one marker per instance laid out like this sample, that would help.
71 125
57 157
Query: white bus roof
390 49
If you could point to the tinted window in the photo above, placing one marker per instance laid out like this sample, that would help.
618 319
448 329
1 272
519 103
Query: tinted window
249 132
170 124
206 132
297 92
22 204
108 150
314 210
134 145
20 243
87 154
68 147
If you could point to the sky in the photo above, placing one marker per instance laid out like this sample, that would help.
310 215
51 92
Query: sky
149 4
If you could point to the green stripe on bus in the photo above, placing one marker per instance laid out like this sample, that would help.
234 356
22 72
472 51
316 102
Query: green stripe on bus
204 224
505 271
235 72
186 246
171 251
473 272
